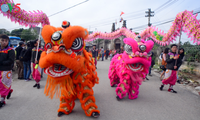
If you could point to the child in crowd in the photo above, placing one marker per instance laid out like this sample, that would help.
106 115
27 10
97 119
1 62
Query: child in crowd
7 57
34 63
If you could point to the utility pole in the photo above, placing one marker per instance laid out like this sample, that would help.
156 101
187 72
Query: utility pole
149 15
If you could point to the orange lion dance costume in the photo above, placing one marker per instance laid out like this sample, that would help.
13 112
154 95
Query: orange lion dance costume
71 71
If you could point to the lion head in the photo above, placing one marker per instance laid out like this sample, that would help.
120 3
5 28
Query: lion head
136 54
64 48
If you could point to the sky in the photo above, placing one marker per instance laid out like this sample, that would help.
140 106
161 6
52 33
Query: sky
98 15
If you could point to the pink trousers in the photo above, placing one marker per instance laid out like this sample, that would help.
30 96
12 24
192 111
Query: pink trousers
36 72
5 82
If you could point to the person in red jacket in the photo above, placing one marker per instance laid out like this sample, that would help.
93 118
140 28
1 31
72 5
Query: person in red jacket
7 57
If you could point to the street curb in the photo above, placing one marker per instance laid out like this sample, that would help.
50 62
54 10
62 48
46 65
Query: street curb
191 89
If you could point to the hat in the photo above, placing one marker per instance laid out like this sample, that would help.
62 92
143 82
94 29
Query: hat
21 43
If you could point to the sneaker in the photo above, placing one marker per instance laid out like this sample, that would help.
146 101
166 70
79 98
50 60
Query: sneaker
178 81
26 80
150 75
38 86
2 104
118 98
9 94
161 87
172 90
95 114
60 114
35 85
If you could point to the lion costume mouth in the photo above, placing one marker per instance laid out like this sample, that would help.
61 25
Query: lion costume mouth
136 67
58 70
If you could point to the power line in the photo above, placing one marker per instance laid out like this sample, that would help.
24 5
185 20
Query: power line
135 16
103 21
68 8
167 6
106 23
162 5
162 22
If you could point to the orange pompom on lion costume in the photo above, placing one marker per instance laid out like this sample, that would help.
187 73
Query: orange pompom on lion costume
71 71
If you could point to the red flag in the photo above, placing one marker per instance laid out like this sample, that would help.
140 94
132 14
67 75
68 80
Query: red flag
121 13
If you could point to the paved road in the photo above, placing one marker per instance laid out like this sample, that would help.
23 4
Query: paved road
28 103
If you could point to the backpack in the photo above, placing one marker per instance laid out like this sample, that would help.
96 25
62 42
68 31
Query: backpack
161 55
22 56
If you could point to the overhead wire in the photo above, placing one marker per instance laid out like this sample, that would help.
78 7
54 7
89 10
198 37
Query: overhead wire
110 20
128 18
105 23
166 6
68 8
163 5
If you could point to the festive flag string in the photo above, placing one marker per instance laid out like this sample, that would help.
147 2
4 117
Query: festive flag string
189 23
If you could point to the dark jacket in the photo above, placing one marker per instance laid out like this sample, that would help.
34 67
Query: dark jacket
171 61
28 53
18 51
107 52
7 57
34 51
94 53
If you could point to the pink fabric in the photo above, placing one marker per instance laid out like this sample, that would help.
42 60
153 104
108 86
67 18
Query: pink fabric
95 61
128 81
164 57
170 77
5 82
36 73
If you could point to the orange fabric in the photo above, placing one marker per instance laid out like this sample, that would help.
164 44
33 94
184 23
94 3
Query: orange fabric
79 83
73 32
164 62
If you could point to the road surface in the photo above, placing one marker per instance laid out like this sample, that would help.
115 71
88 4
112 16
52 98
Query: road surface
28 103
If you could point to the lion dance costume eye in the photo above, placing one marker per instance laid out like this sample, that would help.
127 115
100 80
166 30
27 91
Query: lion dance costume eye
70 69
129 69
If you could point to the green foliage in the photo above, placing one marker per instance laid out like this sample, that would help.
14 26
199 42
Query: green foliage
153 58
156 46
17 32
4 31
185 71
29 34
192 52
157 66
136 33
192 68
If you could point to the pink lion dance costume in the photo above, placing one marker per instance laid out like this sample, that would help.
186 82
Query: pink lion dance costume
129 69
